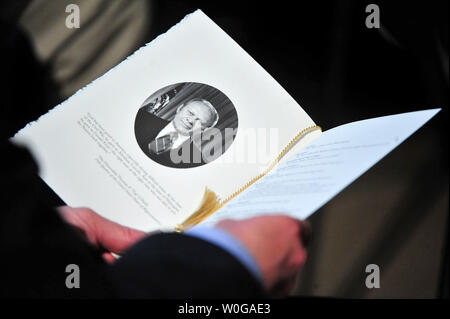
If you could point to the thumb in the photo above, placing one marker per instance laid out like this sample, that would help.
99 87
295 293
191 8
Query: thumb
115 237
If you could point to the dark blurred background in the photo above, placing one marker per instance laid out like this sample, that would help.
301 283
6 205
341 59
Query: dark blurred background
338 70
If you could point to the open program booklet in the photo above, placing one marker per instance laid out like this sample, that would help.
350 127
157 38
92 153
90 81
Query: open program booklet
191 129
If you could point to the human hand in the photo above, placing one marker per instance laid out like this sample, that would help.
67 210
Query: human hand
101 232
277 244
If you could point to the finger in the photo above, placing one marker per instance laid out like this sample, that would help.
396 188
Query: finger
108 257
99 231
296 255
115 237
294 263
80 219
305 233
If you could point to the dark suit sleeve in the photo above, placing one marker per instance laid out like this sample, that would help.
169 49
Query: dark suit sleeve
173 265
36 244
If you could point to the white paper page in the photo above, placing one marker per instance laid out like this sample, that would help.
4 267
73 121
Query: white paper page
87 151
313 176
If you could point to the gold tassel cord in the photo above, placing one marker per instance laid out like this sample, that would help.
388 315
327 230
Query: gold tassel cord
211 203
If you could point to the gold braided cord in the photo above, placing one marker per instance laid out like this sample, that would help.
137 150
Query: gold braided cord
207 207
211 203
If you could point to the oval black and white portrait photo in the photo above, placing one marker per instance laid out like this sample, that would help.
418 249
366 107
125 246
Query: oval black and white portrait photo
186 125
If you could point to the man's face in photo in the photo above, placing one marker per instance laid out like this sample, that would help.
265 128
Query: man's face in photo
189 114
